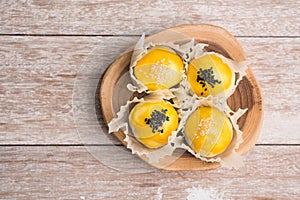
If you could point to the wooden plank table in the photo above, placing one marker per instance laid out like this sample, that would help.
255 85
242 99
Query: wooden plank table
43 46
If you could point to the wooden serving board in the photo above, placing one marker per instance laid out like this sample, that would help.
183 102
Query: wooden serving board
247 95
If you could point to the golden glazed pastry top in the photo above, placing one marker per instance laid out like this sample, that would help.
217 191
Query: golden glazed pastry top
208 74
153 122
159 68
208 131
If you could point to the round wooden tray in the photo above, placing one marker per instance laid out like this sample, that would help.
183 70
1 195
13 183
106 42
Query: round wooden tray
247 95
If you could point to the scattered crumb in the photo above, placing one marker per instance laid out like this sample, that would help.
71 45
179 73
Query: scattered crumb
204 194
159 194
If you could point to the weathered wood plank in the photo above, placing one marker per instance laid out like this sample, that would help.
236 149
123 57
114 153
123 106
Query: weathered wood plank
278 73
37 75
243 18
271 172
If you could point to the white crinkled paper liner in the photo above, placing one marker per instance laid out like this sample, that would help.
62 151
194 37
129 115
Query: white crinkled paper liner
238 69
141 49
121 122
229 158
184 92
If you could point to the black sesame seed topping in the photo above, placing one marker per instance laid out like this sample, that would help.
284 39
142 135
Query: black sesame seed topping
156 120
147 121
187 56
207 76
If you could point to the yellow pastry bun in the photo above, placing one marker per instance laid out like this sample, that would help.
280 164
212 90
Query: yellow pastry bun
208 131
209 75
160 68
153 122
